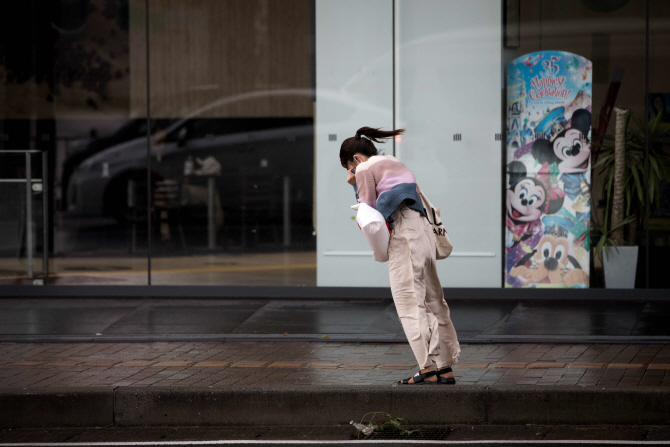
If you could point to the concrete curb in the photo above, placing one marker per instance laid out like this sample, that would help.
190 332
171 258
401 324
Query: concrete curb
290 406
631 405
323 406
56 407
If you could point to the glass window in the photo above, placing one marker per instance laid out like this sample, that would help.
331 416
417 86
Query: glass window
608 44
66 79
230 175
232 179
658 117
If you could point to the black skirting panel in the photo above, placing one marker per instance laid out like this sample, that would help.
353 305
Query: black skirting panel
324 293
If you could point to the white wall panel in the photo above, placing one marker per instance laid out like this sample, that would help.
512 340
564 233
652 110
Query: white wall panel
354 81
449 83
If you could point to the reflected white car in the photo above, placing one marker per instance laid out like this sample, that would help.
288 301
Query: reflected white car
284 146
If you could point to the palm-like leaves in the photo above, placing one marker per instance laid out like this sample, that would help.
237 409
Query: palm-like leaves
634 177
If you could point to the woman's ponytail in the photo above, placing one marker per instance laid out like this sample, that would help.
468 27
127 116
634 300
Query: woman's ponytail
362 142
376 134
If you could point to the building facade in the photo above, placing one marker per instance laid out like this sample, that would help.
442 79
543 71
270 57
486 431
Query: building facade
170 143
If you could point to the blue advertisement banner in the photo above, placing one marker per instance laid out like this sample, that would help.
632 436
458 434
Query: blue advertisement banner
548 197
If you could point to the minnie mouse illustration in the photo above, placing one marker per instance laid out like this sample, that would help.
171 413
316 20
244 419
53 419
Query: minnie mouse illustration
567 145
528 198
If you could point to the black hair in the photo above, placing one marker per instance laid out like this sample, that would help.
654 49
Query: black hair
362 143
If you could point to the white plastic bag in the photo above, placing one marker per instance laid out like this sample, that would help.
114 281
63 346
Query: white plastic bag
374 228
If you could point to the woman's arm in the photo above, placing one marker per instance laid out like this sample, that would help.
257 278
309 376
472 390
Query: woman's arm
351 179
366 188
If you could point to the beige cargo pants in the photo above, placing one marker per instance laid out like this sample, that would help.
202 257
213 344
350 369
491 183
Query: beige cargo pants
417 291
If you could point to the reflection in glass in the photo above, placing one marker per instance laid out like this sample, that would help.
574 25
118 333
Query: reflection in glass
65 82
232 148
613 38
230 195
658 106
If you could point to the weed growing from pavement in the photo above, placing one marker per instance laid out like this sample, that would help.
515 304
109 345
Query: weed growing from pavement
367 426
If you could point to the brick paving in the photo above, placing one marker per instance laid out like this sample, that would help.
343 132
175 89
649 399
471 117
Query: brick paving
221 364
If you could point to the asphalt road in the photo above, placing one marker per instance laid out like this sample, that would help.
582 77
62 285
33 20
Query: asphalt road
359 443
494 436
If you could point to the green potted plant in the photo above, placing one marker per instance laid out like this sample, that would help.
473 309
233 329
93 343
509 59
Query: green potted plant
622 165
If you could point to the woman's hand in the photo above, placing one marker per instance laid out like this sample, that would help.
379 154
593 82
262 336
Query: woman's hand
351 178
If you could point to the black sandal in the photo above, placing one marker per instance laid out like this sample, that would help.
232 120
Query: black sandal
445 380
419 379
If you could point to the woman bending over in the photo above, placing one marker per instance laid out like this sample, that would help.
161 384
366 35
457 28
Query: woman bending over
384 183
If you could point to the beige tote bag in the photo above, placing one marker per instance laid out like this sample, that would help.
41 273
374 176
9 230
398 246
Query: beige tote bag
443 244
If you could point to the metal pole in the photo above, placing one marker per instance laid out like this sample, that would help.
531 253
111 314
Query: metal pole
148 85
647 205
131 207
29 217
394 59
287 211
211 234
45 218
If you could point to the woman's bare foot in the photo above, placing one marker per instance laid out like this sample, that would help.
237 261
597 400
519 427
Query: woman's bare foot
449 375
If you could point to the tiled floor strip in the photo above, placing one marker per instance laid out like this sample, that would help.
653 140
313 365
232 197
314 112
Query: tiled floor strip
219 364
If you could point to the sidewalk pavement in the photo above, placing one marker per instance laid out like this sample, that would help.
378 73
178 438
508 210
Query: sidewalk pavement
221 364
325 383
355 320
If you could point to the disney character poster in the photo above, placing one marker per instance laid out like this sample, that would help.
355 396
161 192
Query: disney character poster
548 197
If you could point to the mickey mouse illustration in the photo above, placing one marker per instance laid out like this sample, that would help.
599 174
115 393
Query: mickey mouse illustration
528 198
551 261
567 145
